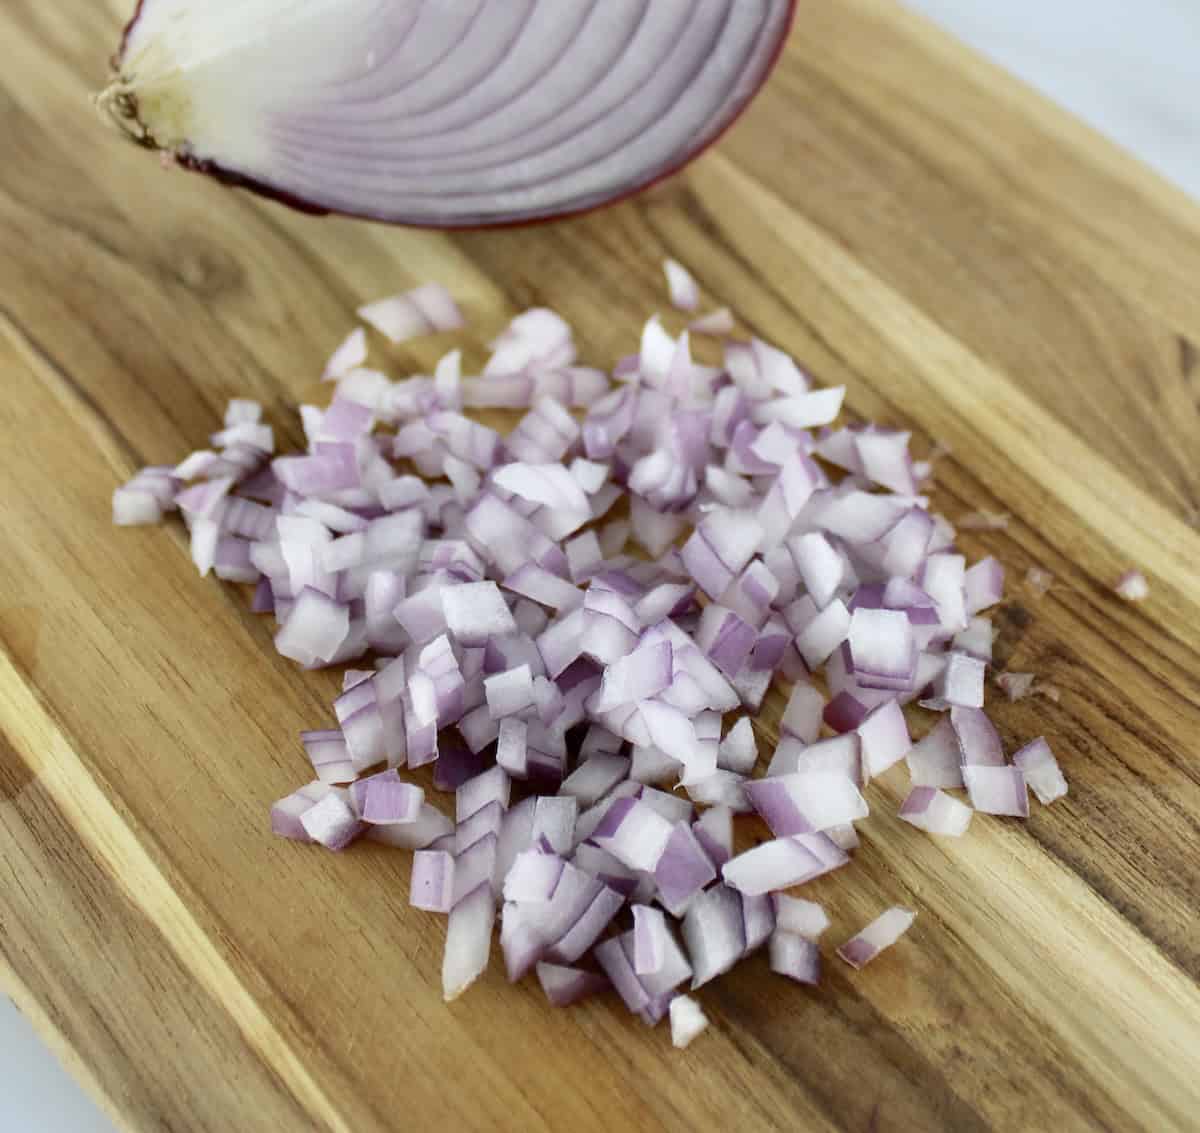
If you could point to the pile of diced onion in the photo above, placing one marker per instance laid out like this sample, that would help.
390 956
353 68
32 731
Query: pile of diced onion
575 624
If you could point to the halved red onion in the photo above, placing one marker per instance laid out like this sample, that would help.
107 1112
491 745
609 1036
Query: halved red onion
881 933
444 115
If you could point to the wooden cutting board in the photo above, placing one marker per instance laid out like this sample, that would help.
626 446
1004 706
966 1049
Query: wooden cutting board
973 264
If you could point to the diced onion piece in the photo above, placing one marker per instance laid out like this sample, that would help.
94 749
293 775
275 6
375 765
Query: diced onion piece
1132 586
1037 763
424 310
997 790
936 812
432 885
881 933
428 827
684 867
824 634
961 681
799 917
978 740
795 957
350 355
468 941
649 940
779 864
634 833
883 738
476 611
936 761
687 1021
332 821
565 985
738 751
714 933
685 295
716 324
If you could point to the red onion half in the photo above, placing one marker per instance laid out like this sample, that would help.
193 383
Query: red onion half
442 115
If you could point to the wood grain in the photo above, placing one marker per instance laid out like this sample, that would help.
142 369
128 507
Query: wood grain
976 266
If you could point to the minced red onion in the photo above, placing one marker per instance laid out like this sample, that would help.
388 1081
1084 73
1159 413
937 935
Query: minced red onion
1132 586
556 676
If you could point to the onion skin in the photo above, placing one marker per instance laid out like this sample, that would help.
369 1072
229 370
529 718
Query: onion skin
120 103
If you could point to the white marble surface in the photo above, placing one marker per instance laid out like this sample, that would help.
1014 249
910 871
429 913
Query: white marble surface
1130 69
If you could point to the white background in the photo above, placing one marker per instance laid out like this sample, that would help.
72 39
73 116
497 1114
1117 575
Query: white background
1130 69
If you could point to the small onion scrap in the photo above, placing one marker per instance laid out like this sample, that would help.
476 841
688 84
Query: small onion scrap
586 685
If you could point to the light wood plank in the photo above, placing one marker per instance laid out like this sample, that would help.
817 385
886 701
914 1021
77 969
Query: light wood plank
906 219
